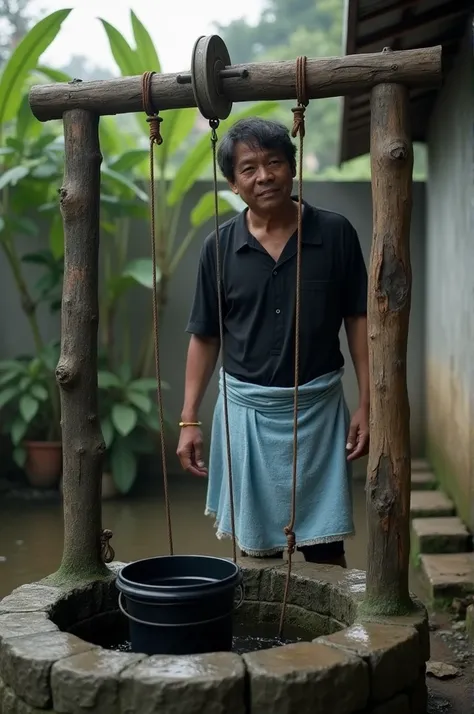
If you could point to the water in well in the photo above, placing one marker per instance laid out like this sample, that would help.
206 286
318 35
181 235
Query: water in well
247 638
110 630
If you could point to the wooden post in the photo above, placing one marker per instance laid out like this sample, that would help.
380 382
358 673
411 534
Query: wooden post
76 372
388 476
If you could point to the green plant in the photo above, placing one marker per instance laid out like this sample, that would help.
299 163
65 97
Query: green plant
29 166
129 421
26 410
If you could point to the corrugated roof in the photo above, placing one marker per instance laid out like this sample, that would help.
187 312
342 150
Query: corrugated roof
372 25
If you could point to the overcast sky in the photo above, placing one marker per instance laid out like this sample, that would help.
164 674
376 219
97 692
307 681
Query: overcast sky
174 26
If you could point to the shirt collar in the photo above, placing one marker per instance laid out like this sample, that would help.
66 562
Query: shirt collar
311 234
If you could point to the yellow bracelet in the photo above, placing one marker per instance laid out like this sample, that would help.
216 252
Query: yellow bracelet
190 423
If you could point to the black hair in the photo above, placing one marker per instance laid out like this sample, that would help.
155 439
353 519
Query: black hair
255 132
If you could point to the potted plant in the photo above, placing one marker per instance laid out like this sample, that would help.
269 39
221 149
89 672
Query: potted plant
29 409
130 425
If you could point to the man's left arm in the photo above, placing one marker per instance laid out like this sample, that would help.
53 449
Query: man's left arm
358 438
355 321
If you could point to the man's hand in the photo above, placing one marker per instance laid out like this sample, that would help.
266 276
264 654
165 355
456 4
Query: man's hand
190 451
358 438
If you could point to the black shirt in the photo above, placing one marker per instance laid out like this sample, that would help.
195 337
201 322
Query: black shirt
259 298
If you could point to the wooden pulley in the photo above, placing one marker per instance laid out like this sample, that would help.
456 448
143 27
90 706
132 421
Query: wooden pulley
209 60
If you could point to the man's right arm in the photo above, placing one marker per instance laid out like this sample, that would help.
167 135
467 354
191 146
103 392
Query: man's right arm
203 352
201 362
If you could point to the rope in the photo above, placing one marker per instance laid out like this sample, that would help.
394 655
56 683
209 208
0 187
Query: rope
214 124
106 551
298 129
154 121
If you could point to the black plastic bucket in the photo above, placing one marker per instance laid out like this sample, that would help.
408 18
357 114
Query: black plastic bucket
179 604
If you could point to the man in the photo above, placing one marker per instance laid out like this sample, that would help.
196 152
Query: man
258 259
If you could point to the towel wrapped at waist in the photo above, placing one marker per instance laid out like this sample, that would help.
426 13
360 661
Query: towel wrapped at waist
261 439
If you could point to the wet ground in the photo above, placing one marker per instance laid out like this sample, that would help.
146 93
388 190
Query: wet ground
31 533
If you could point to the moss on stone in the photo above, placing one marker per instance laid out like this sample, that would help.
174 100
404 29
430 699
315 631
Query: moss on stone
70 576
389 606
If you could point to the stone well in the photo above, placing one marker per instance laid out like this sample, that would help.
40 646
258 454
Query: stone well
354 665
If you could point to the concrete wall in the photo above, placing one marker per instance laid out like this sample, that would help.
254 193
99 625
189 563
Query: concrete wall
450 285
353 200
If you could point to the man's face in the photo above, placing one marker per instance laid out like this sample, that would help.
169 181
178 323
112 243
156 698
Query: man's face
262 177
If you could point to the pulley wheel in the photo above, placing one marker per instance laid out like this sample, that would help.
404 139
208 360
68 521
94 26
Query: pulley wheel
210 57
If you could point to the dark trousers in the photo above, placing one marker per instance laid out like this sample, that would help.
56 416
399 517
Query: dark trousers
316 553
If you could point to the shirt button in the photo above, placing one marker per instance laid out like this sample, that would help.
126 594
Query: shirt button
274 272
277 311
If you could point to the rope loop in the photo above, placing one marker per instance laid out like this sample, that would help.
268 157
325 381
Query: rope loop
298 122
153 117
155 134
106 550
301 98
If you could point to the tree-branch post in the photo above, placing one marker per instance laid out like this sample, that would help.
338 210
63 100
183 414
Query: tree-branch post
76 373
389 467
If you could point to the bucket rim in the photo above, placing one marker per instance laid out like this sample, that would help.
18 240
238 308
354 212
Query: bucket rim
185 590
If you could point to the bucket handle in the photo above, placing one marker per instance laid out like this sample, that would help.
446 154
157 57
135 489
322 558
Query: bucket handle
178 624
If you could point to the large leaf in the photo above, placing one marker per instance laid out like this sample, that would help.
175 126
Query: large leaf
25 120
28 407
19 456
141 270
146 384
121 182
204 209
55 75
13 175
126 58
108 380
24 59
110 136
107 431
145 52
199 157
39 392
6 395
123 464
129 160
18 431
56 236
140 401
124 418
176 126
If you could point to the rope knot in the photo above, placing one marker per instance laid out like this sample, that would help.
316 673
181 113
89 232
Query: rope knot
155 134
106 550
298 121
291 539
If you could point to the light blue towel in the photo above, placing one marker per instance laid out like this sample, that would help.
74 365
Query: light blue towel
261 427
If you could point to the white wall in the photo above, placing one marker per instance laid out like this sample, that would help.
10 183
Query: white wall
450 284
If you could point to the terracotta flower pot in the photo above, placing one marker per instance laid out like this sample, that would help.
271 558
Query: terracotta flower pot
43 463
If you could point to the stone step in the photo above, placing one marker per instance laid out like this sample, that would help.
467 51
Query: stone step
419 465
423 481
429 504
439 535
448 575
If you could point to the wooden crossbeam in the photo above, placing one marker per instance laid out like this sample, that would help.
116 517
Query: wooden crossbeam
326 77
